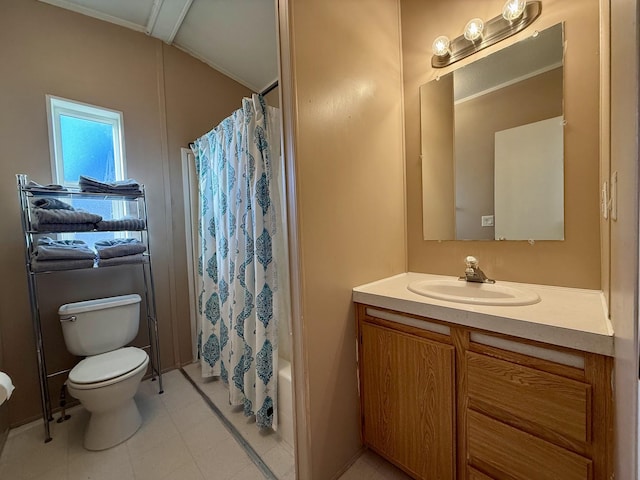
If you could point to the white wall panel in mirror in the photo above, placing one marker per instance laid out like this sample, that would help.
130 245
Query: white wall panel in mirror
529 186
461 114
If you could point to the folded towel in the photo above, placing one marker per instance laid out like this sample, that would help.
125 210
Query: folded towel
122 187
59 215
121 224
52 187
63 243
122 184
50 249
51 204
51 265
65 227
119 247
124 193
106 262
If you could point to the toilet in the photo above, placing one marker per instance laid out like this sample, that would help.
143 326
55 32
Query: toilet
106 381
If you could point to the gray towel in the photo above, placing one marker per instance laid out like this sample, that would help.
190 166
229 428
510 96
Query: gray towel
51 265
121 224
49 249
52 187
45 216
134 192
129 183
106 262
51 203
119 247
122 187
65 227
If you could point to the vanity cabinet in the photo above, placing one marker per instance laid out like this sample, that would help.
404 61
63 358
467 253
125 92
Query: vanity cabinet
444 401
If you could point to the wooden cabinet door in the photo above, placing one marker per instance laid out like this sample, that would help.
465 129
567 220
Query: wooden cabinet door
408 400
378 372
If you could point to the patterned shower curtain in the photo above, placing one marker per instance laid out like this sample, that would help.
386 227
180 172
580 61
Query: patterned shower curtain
239 225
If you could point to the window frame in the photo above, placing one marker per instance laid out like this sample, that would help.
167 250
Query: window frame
57 106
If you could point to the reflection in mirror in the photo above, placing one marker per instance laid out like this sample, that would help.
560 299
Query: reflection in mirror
492 146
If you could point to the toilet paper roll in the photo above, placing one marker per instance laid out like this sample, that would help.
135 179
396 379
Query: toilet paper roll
6 387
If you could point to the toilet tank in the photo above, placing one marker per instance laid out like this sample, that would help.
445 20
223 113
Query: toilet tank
101 325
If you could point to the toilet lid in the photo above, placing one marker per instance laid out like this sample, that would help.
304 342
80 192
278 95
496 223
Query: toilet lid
106 366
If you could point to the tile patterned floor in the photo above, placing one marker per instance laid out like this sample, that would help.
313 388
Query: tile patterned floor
180 439
276 453
370 466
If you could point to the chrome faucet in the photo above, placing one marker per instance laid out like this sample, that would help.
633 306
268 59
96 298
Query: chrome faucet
473 273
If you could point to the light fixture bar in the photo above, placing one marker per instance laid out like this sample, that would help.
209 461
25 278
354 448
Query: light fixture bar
495 30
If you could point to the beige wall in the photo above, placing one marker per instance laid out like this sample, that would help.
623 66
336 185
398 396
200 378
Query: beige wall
624 231
167 99
554 263
347 90
273 97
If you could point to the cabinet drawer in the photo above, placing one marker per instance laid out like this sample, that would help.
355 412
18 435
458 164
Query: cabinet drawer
508 453
553 407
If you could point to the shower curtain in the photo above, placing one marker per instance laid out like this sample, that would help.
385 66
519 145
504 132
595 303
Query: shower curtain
240 230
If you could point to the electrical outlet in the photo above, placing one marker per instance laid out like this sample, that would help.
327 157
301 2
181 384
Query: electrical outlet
487 220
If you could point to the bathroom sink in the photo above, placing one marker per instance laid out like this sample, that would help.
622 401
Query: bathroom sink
475 293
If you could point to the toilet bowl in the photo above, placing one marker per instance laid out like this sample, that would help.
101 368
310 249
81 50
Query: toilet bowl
105 384
106 381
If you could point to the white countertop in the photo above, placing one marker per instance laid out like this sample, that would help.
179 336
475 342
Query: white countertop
568 317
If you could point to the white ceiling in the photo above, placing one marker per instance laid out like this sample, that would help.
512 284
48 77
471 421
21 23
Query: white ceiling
236 37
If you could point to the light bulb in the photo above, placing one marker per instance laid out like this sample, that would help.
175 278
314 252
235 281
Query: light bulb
513 9
440 46
473 29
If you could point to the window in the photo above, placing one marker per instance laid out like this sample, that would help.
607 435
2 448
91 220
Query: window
86 140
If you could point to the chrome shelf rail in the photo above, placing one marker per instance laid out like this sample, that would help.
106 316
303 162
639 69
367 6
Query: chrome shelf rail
24 196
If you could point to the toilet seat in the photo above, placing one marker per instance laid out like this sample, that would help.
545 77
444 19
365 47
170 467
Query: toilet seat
108 368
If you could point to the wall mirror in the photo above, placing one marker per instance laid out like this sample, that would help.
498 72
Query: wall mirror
492 145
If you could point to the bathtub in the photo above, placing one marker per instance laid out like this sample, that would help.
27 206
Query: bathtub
285 402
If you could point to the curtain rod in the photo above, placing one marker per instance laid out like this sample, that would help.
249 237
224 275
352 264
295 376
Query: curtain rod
263 93
269 88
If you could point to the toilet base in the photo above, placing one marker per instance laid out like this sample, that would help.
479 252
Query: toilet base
108 429
114 414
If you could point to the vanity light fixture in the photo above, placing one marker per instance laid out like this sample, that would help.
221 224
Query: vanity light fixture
513 9
473 29
441 46
516 16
